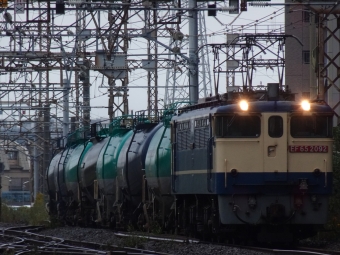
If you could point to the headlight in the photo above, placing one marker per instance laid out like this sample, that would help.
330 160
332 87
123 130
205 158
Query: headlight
244 105
305 105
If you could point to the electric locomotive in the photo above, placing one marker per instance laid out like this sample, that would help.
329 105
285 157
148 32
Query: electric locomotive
254 164
261 168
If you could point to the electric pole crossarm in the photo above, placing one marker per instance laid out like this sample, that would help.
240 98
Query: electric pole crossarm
148 37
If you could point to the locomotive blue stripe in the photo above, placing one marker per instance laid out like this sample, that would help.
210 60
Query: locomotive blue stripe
246 183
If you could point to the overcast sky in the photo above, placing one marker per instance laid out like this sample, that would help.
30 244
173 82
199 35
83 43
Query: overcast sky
256 19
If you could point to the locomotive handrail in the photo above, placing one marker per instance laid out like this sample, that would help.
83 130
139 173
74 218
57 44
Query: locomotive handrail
209 162
238 139
173 155
209 159
325 163
139 118
174 166
315 140
76 137
225 173
116 123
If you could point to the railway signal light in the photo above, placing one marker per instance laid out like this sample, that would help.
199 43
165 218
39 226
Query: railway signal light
243 5
60 7
212 12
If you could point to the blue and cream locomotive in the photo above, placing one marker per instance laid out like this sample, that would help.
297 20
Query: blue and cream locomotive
246 165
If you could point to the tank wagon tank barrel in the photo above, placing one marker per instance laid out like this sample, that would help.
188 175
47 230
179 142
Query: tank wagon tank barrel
252 164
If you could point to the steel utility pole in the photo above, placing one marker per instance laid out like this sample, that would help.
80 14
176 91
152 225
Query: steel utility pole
176 77
193 52
151 28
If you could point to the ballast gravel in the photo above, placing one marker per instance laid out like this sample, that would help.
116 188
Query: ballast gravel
107 237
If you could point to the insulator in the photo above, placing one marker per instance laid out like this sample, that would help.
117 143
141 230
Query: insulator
178 35
8 17
84 68
226 9
82 74
70 32
147 4
259 4
176 50
72 2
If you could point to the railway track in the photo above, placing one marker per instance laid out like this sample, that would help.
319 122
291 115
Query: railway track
25 240
320 251
297 250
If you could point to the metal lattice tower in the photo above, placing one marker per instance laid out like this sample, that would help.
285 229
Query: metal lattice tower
47 67
118 44
151 30
176 90
327 62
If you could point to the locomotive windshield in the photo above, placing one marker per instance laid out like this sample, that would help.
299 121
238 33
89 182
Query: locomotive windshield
238 126
311 126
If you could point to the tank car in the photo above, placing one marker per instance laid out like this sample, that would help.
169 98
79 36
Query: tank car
62 180
251 165
103 176
71 179
106 174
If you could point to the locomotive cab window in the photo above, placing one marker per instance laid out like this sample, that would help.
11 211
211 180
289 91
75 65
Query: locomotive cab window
275 126
311 126
233 126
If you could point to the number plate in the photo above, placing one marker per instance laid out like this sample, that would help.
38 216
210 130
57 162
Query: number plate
309 148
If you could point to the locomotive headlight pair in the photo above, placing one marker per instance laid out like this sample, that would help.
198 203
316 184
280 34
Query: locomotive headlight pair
305 105
243 105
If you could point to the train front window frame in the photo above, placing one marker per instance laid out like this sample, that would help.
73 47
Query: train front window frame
275 126
237 126
311 126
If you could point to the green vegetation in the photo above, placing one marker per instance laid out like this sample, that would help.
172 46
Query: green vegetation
35 215
155 228
9 252
133 241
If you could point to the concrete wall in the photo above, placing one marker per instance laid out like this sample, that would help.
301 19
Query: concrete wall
297 73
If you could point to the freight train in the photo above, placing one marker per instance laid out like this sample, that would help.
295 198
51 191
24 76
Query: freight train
250 164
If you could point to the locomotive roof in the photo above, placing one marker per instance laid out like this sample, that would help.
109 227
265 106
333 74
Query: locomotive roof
257 107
